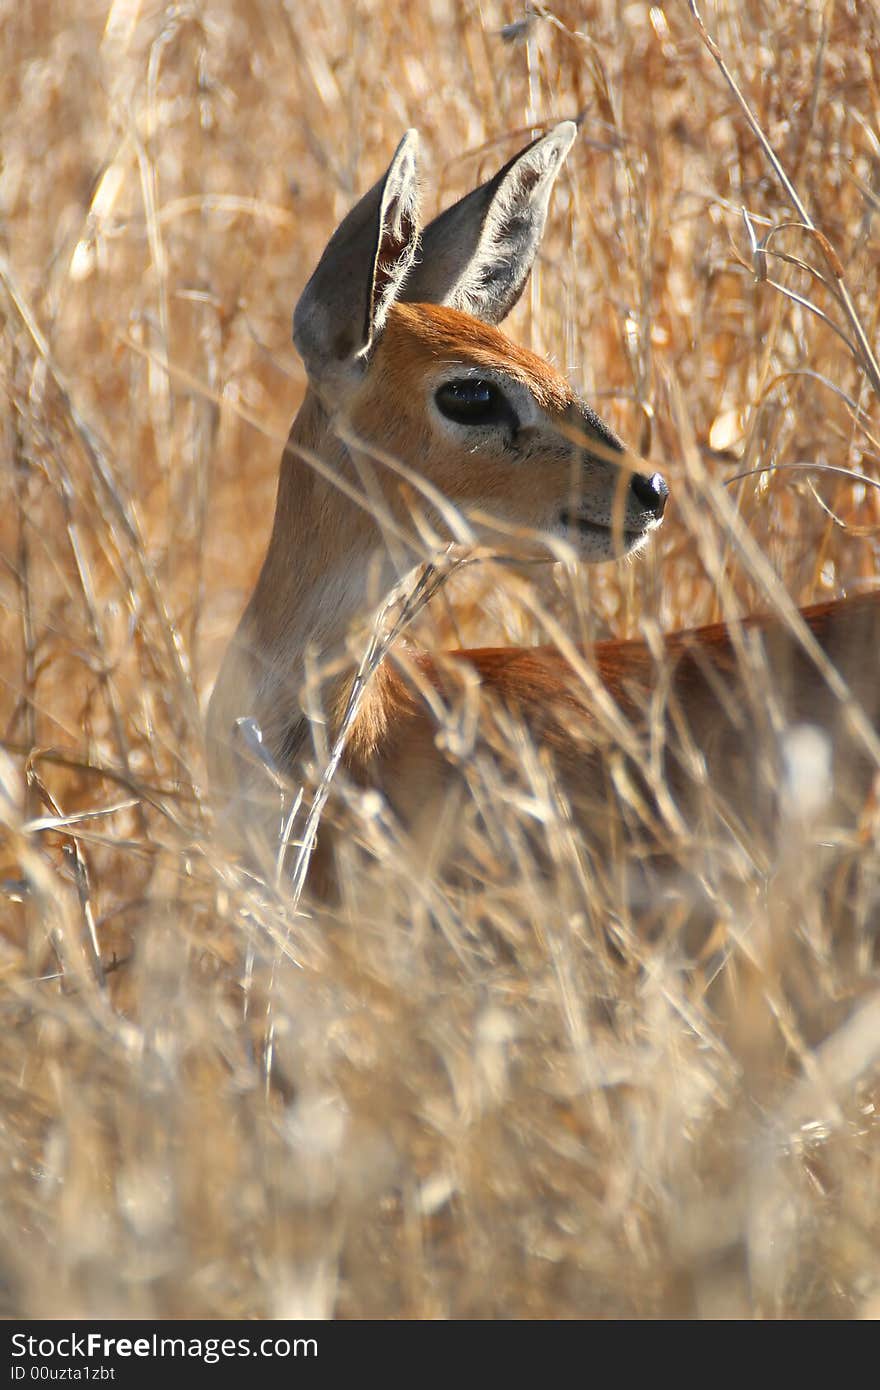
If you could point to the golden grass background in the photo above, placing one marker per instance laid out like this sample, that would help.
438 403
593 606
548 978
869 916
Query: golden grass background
464 1106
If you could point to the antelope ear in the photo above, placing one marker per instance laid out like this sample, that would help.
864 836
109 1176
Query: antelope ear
343 308
477 255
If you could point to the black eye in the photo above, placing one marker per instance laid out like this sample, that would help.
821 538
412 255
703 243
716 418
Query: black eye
472 402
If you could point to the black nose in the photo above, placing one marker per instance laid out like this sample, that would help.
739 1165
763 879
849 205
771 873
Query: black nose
651 493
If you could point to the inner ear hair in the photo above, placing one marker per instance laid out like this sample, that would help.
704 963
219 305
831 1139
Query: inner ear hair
397 237
343 308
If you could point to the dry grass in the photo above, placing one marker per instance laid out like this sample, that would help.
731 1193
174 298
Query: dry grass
425 1103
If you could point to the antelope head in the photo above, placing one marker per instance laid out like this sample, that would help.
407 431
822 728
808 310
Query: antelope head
398 332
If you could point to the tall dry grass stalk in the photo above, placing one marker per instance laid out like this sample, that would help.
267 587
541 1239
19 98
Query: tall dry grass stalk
524 1093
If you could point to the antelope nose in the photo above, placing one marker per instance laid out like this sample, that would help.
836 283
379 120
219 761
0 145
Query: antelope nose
650 493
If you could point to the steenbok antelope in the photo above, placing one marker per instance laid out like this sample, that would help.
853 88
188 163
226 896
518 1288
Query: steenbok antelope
398 332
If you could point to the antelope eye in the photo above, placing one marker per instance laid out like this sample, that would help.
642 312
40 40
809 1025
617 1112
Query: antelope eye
471 402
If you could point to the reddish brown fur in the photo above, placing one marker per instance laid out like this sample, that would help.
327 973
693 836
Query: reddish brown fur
420 334
707 689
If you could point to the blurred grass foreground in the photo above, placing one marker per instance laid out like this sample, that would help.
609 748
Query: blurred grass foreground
531 1097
